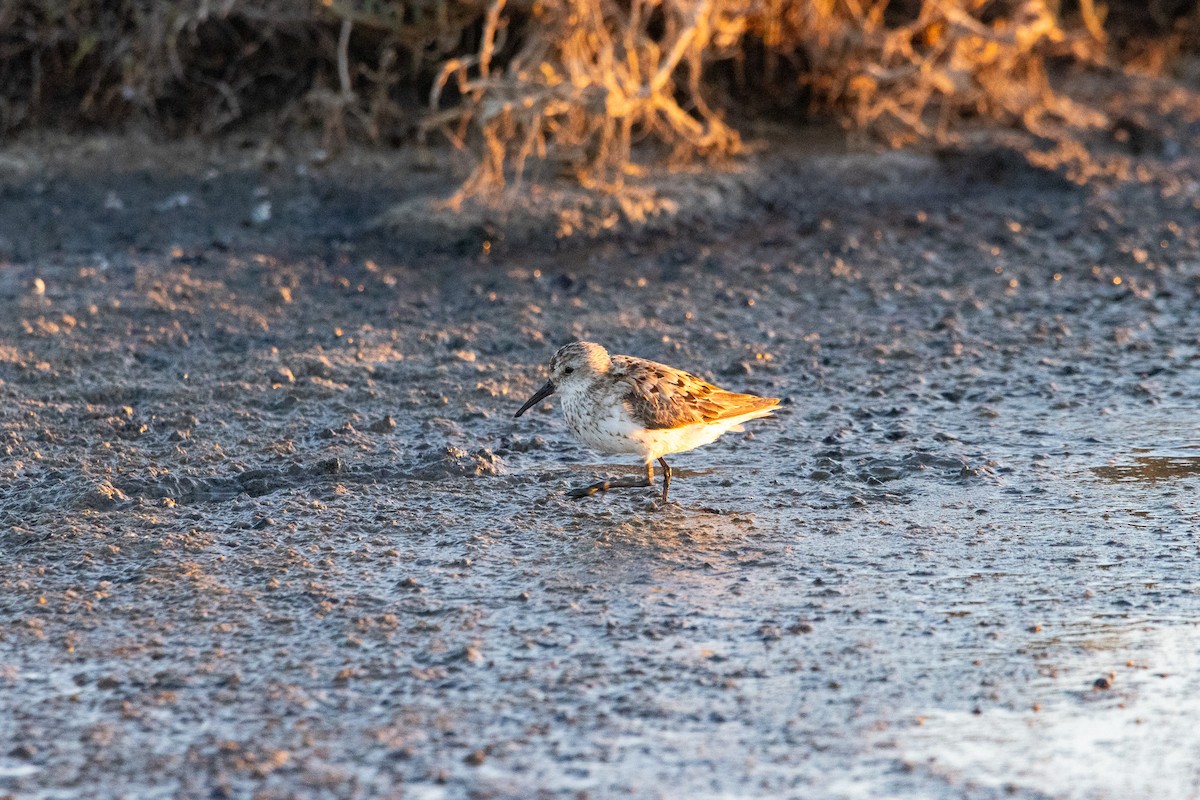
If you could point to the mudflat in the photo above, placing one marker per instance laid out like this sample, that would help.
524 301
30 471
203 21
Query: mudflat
268 528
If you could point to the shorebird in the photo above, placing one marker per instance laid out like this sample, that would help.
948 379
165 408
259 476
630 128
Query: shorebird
623 404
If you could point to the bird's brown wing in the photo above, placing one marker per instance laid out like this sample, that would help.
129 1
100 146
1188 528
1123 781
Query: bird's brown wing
662 397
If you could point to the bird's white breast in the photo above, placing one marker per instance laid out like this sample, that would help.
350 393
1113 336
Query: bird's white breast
600 419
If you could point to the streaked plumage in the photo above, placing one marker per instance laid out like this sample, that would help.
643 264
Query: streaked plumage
623 404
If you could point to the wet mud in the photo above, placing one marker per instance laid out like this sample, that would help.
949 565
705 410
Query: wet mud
268 528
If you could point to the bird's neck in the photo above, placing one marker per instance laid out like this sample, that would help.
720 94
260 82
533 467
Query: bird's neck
576 399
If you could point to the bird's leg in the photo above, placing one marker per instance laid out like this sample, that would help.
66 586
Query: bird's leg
620 483
666 477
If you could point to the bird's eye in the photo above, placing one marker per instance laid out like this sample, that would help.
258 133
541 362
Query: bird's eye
568 370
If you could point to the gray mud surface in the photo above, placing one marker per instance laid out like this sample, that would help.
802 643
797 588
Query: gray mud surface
268 528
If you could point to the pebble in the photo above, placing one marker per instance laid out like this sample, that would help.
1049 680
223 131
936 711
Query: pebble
383 425
101 496
23 751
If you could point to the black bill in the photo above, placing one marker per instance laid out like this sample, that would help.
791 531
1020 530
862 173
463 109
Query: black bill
538 396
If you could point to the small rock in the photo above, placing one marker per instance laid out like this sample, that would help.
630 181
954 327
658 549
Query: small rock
384 425
517 445
103 495
769 633
318 366
454 462
475 759
169 679
1104 682
24 751
839 436
261 213
178 200
38 287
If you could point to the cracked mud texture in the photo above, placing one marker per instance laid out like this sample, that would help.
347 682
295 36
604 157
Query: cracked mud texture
268 528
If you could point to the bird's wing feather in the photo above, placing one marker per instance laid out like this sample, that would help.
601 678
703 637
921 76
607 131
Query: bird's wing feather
662 397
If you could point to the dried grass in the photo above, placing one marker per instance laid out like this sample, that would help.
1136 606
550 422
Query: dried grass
600 73
572 85
205 66
593 79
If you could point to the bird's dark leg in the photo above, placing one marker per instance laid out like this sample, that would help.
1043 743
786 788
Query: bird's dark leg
666 477
621 483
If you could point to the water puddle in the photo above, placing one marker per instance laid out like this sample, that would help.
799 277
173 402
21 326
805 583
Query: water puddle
1128 447
1132 737
1150 469
1174 455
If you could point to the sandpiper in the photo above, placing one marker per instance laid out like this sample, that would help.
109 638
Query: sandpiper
623 404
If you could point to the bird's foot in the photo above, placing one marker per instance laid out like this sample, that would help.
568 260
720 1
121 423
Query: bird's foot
604 486
586 491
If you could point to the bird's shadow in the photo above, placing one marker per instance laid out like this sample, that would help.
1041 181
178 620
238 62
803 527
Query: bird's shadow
686 503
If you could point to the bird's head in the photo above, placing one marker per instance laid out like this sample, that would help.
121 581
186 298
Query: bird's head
574 365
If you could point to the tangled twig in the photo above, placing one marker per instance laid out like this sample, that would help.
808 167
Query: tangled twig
591 76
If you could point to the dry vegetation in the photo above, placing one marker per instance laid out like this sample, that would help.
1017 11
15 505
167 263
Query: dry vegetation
572 84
